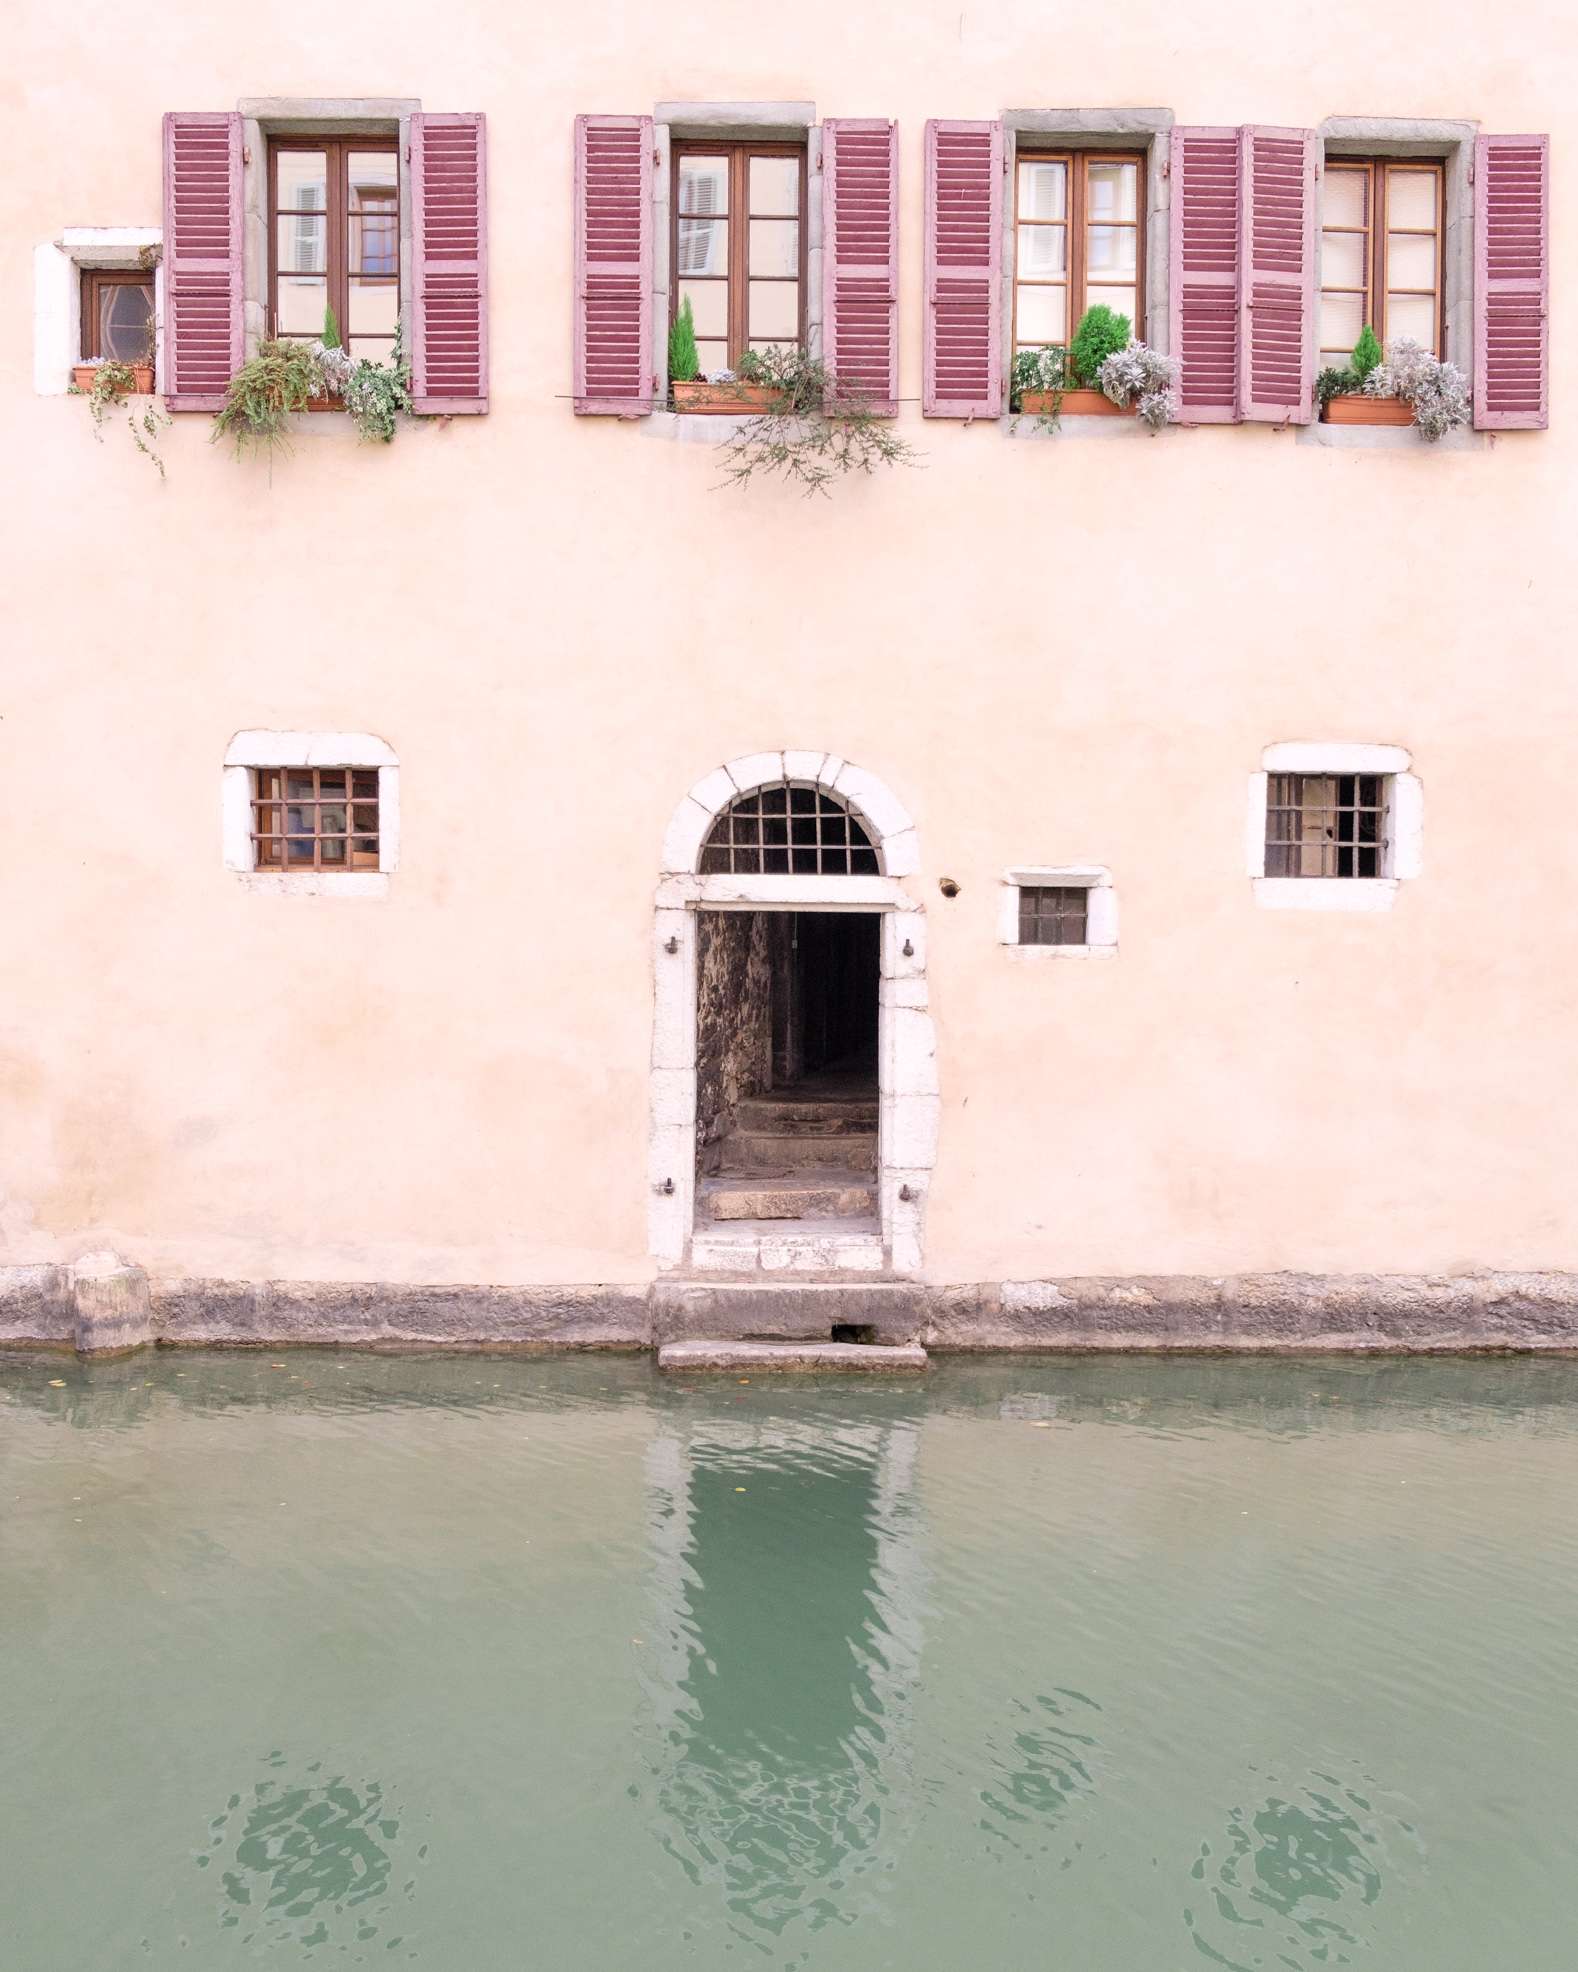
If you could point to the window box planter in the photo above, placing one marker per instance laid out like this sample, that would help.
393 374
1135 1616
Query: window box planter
1079 404
83 374
723 399
1355 409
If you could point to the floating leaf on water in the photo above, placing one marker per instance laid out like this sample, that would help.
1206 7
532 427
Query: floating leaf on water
57 1383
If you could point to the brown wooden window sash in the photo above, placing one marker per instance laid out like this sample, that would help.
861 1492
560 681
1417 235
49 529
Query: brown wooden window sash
336 210
1054 914
1076 223
315 818
738 276
1376 233
1326 825
97 282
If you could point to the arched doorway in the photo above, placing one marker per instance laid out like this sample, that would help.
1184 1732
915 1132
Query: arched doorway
787 947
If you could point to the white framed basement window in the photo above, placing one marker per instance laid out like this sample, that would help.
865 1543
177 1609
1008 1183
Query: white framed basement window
1333 825
311 814
1059 911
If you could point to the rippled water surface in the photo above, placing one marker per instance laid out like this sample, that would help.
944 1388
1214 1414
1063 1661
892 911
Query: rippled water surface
476 1663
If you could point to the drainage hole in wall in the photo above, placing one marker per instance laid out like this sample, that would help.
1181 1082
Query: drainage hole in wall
854 1332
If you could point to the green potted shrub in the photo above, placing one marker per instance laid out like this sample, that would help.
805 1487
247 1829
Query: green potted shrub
1101 333
1344 398
747 389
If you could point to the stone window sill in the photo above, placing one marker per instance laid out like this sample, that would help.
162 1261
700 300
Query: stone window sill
315 883
1022 424
1325 893
1387 438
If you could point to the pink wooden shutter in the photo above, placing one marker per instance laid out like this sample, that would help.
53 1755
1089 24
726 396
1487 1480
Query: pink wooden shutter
449 210
1511 283
1203 257
613 266
963 330
860 233
204 344
1276 358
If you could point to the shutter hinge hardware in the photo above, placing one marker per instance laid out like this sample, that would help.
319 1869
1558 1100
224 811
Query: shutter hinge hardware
672 945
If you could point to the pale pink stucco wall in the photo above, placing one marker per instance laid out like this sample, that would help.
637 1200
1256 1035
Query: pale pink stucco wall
1051 653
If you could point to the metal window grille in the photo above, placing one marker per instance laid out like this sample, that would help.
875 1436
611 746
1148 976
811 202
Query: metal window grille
787 830
315 818
1326 825
1053 914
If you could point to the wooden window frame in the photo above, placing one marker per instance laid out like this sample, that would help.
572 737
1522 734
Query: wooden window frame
271 801
738 278
337 197
1077 222
1355 796
1374 295
94 280
1059 909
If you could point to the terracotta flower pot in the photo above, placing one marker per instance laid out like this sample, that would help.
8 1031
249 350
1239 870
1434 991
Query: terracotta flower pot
721 399
82 376
1355 409
1076 404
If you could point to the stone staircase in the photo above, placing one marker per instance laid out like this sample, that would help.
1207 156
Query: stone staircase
795 1156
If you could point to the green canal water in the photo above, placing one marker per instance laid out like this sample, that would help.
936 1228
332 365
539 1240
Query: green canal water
477 1663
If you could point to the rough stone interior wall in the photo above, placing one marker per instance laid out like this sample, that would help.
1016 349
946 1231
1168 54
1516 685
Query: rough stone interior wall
734 1017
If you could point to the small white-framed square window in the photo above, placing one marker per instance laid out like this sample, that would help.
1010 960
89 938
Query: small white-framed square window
1059 910
1332 825
311 814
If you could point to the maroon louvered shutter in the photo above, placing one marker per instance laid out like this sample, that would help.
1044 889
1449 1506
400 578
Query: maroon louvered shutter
449 326
860 232
613 266
204 343
1511 283
963 329
1202 267
1276 356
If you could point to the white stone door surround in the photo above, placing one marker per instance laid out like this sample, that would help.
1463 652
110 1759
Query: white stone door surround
906 1041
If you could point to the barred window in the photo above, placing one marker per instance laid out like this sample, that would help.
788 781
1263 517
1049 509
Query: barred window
1053 914
788 830
315 818
1326 825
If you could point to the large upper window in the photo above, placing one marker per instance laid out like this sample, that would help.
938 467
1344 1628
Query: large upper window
334 240
1079 230
739 247
1380 254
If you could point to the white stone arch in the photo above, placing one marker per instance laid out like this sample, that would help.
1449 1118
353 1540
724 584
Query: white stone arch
906 1048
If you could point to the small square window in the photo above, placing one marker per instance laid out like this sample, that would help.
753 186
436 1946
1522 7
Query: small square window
117 315
1326 825
1053 914
314 818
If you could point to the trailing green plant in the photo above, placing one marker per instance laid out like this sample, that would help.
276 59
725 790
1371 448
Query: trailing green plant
684 362
1102 332
1039 372
819 426
1140 379
331 327
113 382
378 395
1366 354
281 379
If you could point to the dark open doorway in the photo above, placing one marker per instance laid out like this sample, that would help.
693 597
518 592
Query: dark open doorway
786 1065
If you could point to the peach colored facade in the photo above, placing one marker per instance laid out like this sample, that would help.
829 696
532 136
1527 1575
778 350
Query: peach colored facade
1051 653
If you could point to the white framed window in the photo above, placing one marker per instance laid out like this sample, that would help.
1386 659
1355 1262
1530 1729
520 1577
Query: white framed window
1332 825
59 342
1059 911
311 814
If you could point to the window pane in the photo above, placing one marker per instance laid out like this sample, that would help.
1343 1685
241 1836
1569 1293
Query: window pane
299 784
1043 315
331 780
303 244
703 184
1110 252
775 184
126 322
364 783
709 305
1043 252
1043 189
301 181
375 308
1343 195
333 848
712 356
374 180
1411 198
1411 260
375 243
1112 191
1119 300
376 349
1412 315
703 246
301 305
1342 260
775 309
1341 319
774 246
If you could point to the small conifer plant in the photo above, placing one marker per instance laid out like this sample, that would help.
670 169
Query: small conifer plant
1366 353
331 327
684 364
1102 332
